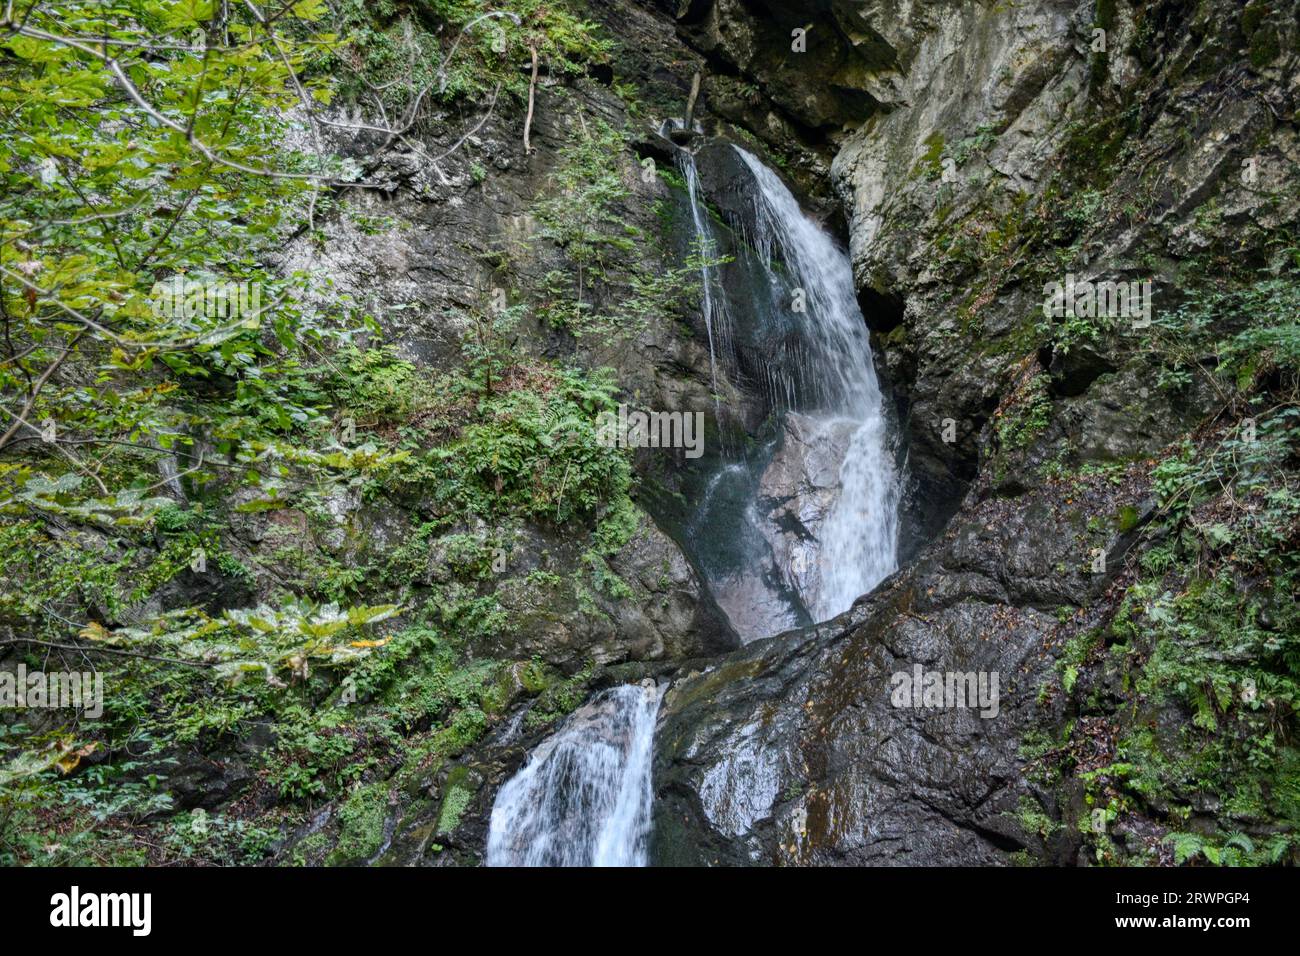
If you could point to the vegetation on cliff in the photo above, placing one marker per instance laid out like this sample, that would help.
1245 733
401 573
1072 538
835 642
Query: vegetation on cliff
189 429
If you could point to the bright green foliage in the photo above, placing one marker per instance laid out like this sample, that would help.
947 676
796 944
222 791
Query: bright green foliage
362 818
258 640
374 387
191 441
537 454
148 354
142 192
217 839
455 801
606 291
475 55
1025 419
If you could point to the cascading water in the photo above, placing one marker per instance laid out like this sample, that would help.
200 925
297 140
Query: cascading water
583 798
818 374
857 545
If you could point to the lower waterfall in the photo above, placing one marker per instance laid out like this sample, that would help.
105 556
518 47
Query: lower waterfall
583 797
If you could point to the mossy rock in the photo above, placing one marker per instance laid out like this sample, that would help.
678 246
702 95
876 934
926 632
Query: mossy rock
458 793
361 825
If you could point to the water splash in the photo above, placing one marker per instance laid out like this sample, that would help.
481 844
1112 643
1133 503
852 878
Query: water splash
583 798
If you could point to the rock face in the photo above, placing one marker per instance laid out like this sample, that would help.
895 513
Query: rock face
667 616
795 750
797 492
972 153
424 258
1004 115
1002 148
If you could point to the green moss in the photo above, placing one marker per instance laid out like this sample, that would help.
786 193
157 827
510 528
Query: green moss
536 676
895 338
1252 15
1033 820
560 699
465 728
361 825
672 177
1126 519
930 164
1027 417
1105 20
1263 44
1091 149
456 801
311 850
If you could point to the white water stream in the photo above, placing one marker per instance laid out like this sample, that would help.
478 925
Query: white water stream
856 544
583 797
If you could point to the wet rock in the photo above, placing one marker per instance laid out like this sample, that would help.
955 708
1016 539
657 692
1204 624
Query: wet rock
758 601
797 749
799 488
818 77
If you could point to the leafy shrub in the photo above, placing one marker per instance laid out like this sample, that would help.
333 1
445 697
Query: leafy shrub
536 453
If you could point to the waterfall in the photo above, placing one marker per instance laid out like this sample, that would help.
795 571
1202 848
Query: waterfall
857 540
713 305
809 356
583 797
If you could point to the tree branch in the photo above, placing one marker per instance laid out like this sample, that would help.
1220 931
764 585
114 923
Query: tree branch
532 94
36 389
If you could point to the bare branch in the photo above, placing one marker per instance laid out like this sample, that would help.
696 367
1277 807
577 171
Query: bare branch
532 94
67 454
36 390
15 640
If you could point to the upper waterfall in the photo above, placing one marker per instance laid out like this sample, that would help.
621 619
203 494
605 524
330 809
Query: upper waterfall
792 529
856 544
